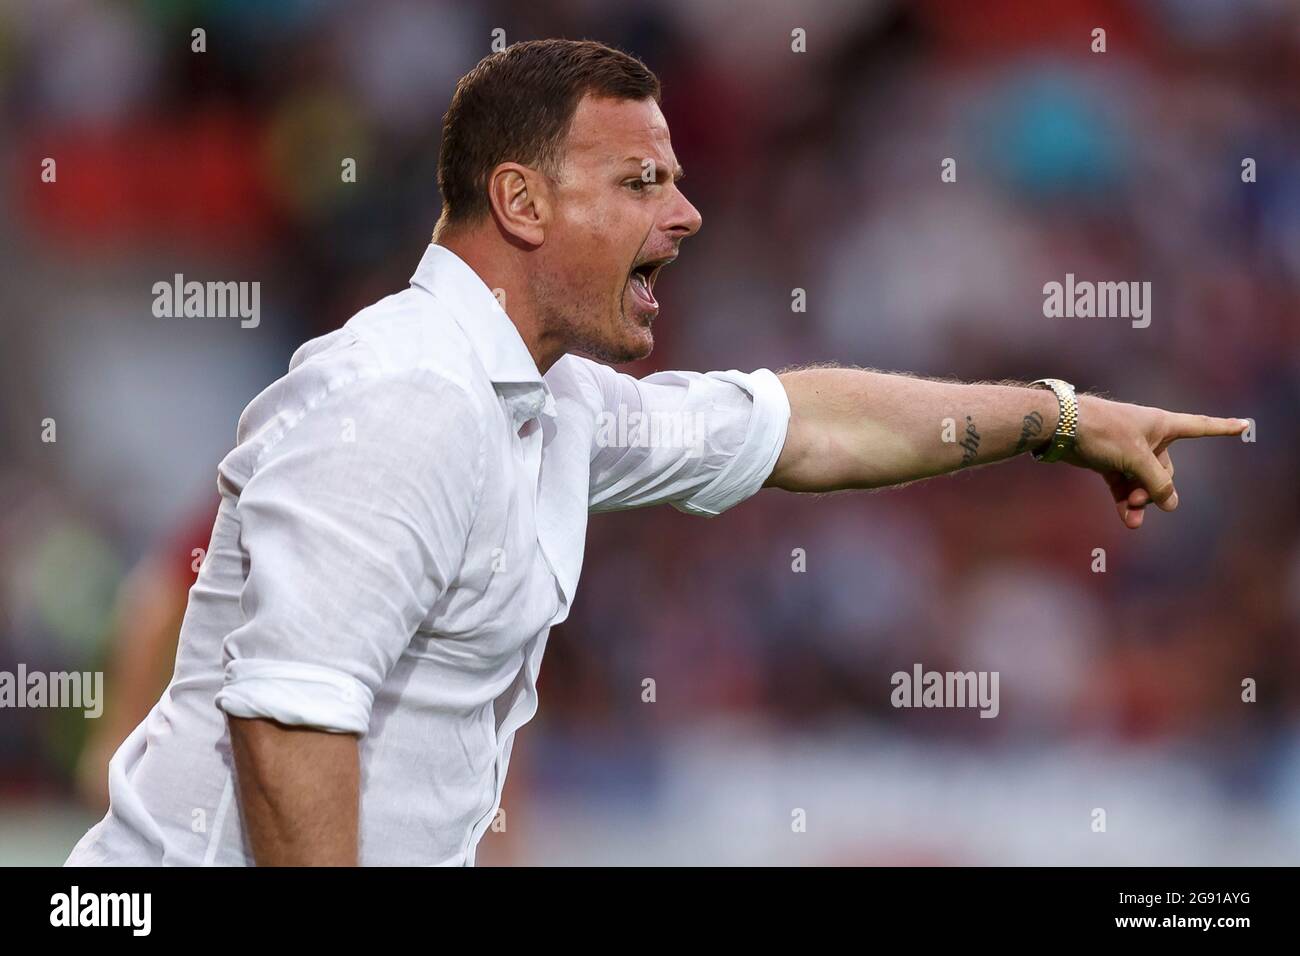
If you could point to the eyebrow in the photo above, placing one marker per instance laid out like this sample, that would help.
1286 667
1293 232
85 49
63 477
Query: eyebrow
678 172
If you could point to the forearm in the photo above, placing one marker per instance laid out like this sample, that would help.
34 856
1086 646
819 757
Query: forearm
852 428
298 792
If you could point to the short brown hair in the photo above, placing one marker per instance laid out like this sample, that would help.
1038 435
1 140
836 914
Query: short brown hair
516 106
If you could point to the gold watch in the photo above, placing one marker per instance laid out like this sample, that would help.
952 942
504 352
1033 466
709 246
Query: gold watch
1067 425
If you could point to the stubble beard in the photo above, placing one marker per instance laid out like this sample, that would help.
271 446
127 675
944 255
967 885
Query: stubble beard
591 332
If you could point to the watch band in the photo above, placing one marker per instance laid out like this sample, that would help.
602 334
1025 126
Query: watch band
1067 425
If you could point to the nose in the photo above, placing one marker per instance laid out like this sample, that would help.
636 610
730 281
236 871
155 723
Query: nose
684 219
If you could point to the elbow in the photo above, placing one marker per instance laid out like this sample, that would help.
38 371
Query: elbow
811 460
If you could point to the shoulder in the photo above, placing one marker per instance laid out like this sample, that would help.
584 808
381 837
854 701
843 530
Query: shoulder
402 364
580 379
410 333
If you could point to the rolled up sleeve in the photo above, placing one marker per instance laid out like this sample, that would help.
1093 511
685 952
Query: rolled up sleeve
701 442
352 524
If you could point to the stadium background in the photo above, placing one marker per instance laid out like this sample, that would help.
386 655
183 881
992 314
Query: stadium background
816 170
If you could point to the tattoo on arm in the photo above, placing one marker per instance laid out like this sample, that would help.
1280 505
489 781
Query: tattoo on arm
970 444
1031 428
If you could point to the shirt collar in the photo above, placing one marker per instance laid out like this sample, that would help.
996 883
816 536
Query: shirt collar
492 335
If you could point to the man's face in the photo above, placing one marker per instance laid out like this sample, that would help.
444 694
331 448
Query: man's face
618 217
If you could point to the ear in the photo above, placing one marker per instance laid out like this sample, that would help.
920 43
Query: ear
521 202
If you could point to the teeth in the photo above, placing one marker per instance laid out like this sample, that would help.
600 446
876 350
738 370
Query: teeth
644 283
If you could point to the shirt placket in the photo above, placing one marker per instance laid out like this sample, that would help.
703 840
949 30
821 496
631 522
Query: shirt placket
527 449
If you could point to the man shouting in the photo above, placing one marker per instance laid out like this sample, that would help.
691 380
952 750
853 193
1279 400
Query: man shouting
403 515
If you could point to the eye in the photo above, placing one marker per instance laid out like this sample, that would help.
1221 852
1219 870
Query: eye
638 185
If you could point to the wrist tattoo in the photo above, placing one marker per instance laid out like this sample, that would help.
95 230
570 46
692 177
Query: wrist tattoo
1031 427
970 444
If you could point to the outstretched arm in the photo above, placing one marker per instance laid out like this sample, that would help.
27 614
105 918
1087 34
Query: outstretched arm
852 428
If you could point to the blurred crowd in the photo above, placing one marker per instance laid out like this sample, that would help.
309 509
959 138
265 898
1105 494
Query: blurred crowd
816 171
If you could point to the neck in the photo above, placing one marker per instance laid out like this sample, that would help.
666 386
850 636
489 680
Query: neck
503 269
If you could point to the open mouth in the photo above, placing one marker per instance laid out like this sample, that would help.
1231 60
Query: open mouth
642 280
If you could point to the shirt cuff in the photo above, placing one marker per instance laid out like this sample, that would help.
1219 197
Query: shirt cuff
296 694
745 473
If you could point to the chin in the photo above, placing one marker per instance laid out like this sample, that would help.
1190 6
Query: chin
629 341
640 343
621 335
622 352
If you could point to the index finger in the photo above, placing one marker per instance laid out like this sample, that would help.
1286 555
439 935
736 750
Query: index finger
1182 425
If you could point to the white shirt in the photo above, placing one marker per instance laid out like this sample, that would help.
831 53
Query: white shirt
402 522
